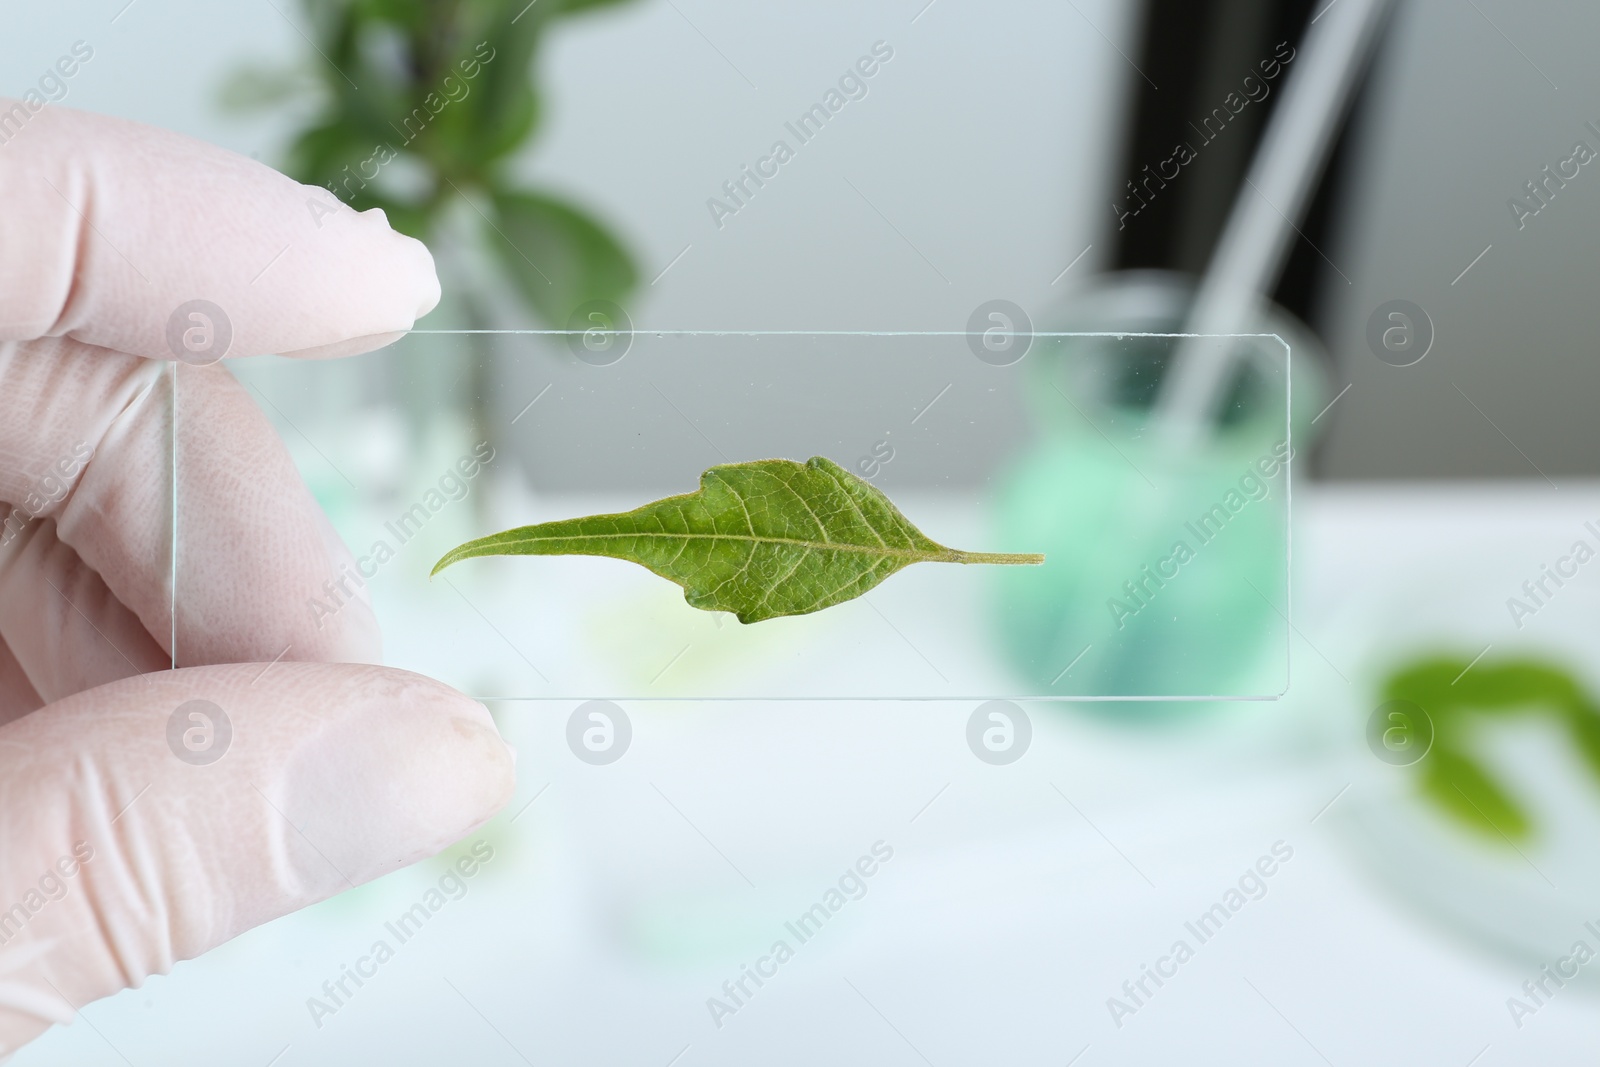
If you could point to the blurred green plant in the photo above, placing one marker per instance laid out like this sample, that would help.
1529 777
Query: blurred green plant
1453 697
423 104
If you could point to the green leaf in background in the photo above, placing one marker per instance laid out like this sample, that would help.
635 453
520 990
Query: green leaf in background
762 539
424 102
558 257
1455 692
1461 787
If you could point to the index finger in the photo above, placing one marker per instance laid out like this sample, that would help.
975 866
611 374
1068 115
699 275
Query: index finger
110 230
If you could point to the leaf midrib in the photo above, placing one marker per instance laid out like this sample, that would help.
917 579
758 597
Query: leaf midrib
840 546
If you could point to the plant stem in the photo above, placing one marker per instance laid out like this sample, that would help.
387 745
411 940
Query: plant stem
1011 558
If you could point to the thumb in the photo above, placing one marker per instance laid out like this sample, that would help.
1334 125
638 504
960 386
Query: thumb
139 828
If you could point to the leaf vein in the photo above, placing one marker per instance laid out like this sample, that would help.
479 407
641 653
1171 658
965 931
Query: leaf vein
749 523
827 599
735 576
773 588
873 530
822 527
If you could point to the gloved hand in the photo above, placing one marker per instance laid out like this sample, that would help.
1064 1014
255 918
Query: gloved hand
121 849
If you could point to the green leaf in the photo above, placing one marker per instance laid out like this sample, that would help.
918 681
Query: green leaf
1585 727
1455 691
448 87
559 257
761 539
572 7
1463 789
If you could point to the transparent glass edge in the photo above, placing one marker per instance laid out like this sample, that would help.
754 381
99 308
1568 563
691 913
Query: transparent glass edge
874 699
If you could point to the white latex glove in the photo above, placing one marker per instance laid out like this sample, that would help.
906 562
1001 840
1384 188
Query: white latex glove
118 858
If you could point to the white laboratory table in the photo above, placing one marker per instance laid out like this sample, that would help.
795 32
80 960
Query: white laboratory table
1016 901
